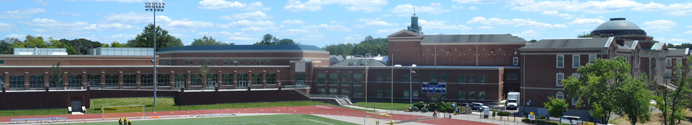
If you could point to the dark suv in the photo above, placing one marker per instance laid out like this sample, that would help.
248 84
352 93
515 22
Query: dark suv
476 105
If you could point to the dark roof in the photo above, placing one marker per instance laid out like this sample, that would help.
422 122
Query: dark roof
576 43
617 27
243 48
678 52
358 62
473 38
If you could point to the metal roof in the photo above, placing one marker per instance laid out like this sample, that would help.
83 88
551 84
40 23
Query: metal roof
575 43
473 38
618 24
242 48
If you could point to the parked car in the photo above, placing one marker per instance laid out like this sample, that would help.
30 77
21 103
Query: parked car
476 105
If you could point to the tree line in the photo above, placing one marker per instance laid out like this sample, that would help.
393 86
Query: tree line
81 46
369 45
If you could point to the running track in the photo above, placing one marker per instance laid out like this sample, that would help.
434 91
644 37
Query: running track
324 110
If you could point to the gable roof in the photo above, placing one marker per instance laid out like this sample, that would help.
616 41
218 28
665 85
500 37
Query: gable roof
404 33
473 38
241 48
565 44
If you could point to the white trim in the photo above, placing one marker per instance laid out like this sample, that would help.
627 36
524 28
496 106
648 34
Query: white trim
560 94
594 58
577 60
558 80
557 61
574 102
515 61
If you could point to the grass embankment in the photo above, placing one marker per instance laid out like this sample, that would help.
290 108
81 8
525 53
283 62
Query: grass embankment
384 105
30 112
167 104
289 119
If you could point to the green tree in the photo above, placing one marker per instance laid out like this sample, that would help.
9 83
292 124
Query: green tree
163 39
372 45
285 41
208 41
59 44
31 42
633 100
673 104
594 85
556 107
57 75
533 41
584 36
340 49
82 45
6 45
269 39
117 44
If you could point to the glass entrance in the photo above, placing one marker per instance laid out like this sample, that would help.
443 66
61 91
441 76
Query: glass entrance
242 81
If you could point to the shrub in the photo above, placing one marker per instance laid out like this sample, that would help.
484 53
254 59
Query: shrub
414 108
503 113
424 109
419 104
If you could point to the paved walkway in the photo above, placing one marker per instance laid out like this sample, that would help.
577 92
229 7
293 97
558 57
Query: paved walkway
320 110
444 117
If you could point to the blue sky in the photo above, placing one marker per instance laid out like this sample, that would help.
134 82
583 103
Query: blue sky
325 22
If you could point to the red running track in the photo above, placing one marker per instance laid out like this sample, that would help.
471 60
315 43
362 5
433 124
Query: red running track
324 110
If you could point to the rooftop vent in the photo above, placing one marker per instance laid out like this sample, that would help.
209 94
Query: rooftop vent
613 19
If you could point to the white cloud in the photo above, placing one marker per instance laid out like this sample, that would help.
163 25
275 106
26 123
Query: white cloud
18 14
527 33
119 37
688 32
257 15
50 23
586 21
660 25
6 27
295 32
473 8
457 7
388 31
375 22
407 9
486 27
481 1
247 25
355 38
42 2
223 4
114 26
555 13
689 26
229 37
351 5
39 30
607 6
68 13
188 25
132 17
339 28
18 36
122 1
516 22
441 24
293 22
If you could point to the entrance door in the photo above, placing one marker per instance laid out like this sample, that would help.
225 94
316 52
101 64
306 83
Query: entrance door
76 106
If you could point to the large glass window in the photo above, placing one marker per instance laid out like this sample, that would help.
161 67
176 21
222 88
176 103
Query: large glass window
321 78
462 95
75 81
129 81
147 79
575 61
345 79
242 80
357 79
36 81
17 82
462 79
163 80
211 80
180 80
257 79
196 79
271 78
560 60
94 81
558 79
53 78
227 79
111 80
300 78
333 78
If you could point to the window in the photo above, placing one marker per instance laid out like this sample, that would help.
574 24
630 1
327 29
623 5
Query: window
481 95
472 79
472 95
357 79
147 80
300 79
481 78
462 95
180 80
2 61
512 76
332 91
94 80
17 81
241 80
345 81
415 77
678 60
271 78
515 61
443 78
415 93
406 94
388 93
558 79
111 80
574 101
257 79
357 93
163 79
560 95
75 81
235 62
53 78
576 75
379 93
560 60
669 73
36 81
388 78
379 77
188 62
196 79
345 92
575 61
227 79
211 80
406 78
462 79
321 91
333 78
433 78
321 78
174 62
669 62
592 58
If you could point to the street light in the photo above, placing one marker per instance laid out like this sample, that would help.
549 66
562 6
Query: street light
410 84
153 7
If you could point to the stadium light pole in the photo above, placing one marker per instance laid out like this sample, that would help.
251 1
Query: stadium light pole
153 7
410 83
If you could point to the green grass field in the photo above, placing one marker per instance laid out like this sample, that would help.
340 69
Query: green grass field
167 104
383 105
289 119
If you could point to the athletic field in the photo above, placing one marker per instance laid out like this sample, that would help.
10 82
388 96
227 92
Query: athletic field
288 119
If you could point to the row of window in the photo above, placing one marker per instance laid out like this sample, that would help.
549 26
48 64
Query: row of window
669 61
129 80
576 60
216 61
559 77
560 95
358 78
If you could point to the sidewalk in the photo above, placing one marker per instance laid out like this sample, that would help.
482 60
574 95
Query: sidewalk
474 116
